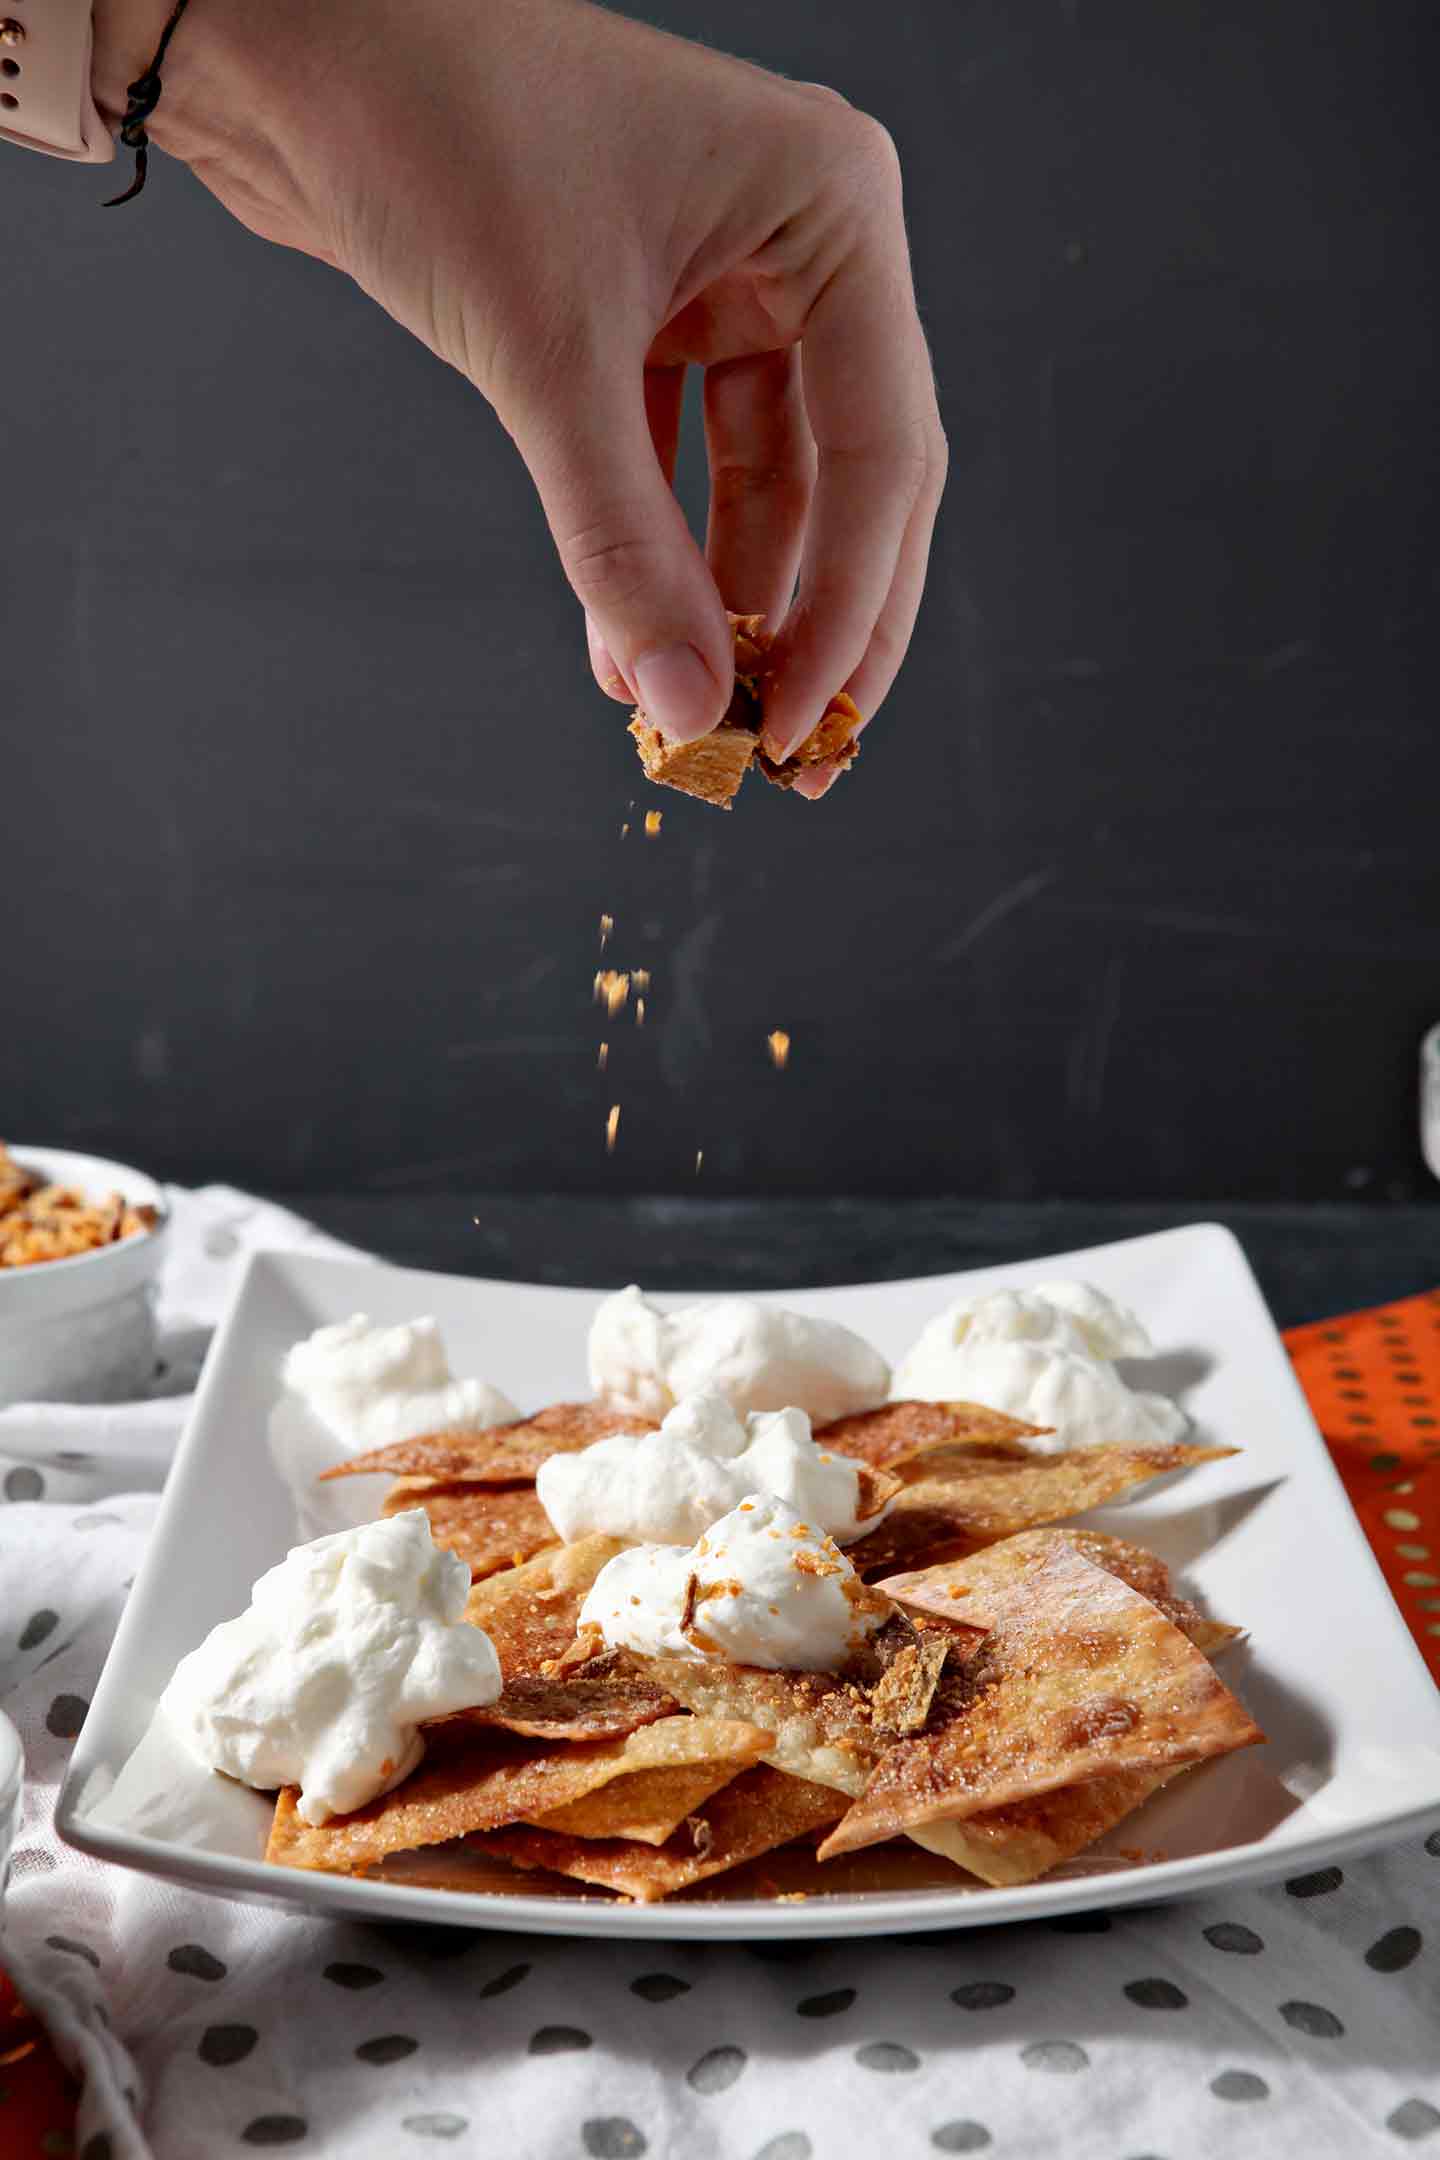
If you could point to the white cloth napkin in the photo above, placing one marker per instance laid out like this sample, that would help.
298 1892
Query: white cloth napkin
1302 2021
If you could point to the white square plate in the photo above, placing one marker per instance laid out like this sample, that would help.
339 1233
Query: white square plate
1266 1538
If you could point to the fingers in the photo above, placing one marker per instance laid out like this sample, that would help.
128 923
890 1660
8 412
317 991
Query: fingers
664 402
870 396
762 473
624 544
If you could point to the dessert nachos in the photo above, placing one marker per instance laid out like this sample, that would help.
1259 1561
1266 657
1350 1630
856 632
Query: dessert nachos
757 1615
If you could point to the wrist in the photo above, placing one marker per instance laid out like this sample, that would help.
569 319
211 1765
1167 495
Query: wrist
127 33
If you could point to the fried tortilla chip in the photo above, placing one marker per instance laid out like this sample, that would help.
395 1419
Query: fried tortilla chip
957 1589
1079 1677
649 1806
899 1431
498 1454
475 1779
759 1811
530 1612
977 1497
487 1526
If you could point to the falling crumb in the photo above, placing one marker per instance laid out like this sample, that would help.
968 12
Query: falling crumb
612 989
652 823
640 977
624 829
607 924
699 1162
639 1012
612 1126
778 1043
604 1058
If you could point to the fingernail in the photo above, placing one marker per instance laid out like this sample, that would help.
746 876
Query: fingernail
678 693
780 747
817 780
602 661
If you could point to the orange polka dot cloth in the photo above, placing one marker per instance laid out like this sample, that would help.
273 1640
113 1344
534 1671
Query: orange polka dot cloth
1373 1383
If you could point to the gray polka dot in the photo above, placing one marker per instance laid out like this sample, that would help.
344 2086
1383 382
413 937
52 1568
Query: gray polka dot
31 1860
611 2137
659 1987
887 2055
435 2125
716 2070
97 2147
982 1995
37 1627
1308 2017
65 1716
503 1982
1239 2085
1157 1995
74 1949
1413 2119
275 2130
1397 1948
221 2045
960 2137
558 2040
23 1483
790 2145
1324 1879
72 1458
820 2006
386 2048
1230 1935
198 1964
353 1976
1432 1844
1056 2055
220 1244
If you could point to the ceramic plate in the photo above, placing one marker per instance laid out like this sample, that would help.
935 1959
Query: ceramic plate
1265 1538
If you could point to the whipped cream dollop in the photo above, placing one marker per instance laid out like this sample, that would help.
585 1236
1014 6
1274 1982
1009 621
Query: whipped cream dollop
1045 1355
759 1357
348 1646
761 1587
668 1486
355 1386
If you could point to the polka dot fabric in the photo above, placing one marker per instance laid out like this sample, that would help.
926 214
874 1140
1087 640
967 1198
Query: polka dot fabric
1296 2023
1372 1380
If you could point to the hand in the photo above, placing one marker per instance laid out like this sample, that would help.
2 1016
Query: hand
572 208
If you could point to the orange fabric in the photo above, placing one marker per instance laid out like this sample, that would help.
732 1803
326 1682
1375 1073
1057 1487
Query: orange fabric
1373 1383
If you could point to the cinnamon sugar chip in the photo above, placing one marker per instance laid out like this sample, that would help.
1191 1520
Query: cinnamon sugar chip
475 1779
899 1432
650 1805
488 1526
496 1454
756 1813
969 1497
932 1589
1078 1677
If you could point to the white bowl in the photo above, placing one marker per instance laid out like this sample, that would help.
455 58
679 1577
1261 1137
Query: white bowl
83 1329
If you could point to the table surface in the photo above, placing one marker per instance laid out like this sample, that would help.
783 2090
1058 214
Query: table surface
1311 1260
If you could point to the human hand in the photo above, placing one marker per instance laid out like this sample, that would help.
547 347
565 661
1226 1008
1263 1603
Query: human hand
573 208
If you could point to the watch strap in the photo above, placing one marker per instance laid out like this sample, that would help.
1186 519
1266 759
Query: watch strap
45 99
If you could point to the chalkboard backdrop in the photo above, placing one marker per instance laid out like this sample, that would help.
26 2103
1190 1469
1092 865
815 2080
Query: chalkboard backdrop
310 809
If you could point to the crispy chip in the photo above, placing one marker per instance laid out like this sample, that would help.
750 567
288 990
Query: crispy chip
1079 1677
487 1526
500 1454
956 1589
979 1497
476 1779
530 1612
650 1806
1015 1844
899 1431
754 1814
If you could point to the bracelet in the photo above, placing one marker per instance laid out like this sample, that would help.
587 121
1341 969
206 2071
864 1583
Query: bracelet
142 96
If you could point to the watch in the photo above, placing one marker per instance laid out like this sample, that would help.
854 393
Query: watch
45 99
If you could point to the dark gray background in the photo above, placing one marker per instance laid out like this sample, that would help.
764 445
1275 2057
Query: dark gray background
309 807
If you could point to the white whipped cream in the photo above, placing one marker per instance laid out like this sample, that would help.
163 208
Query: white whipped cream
357 1386
1044 1355
768 1591
668 1486
348 1646
759 1357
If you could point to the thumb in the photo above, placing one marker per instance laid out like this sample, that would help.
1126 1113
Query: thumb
625 547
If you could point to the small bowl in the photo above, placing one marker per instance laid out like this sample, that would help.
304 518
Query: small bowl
83 1329
12 1777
